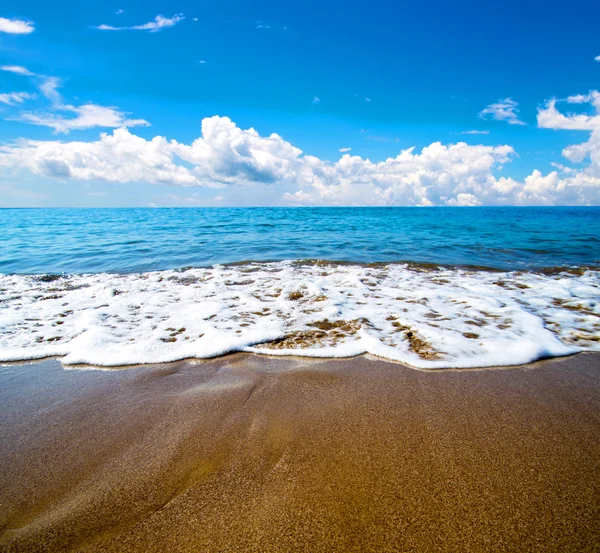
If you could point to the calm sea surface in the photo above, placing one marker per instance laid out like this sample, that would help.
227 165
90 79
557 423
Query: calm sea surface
138 240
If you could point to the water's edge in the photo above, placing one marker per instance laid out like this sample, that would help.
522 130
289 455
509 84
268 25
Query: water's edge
423 316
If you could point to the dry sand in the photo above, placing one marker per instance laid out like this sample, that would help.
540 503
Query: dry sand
248 453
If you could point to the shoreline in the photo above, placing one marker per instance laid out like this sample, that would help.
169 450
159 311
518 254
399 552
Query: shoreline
297 358
258 453
426 320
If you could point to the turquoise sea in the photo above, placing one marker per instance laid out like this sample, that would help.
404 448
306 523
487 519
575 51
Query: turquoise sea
60 241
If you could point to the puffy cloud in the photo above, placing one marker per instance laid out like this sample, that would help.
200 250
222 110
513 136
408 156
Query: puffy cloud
160 22
597 58
13 98
503 110
18 69
120 157
268 170
549 117
16 26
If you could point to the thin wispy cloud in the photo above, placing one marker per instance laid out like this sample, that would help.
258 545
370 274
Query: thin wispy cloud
14 98
263 27
16 26
316 100
475 132
160 22
87 116
202 62
343 150
120 12
503 110
383 139
63 117
367 99
18 69
49 88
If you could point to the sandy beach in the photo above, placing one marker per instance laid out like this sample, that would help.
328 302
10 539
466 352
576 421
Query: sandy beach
249 453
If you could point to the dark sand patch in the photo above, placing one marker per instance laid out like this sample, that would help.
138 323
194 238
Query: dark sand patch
249 453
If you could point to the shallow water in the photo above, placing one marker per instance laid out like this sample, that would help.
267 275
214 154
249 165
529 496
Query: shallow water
429 318
138 303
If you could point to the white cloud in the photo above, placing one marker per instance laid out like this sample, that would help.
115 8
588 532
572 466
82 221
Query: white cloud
160 22
549 117
344 150
597 58
120 157
18 69
316 100
254 169
195 19
16 26
367 99
475 132
263 26
86 116
120 12
202 62
13 98
503 110
63 118
49 88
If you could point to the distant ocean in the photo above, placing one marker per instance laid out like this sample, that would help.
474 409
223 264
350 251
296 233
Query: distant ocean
430 287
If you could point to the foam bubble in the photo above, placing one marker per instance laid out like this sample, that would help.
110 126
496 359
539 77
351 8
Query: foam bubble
436 318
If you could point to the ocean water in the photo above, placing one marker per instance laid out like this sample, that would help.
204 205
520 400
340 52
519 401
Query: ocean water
430 287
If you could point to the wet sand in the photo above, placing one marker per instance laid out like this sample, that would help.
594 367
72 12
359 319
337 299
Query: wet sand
248 453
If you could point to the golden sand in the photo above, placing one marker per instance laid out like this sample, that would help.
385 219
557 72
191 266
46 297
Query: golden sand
249 453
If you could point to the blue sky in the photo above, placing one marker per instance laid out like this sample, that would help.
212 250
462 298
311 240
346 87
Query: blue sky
377 77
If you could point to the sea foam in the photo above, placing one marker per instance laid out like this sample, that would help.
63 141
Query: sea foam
426 318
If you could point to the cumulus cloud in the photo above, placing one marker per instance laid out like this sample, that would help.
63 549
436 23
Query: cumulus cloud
269 170
16 26
597 58
160 22
13 98
120 157
549 117
18 69
503 110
